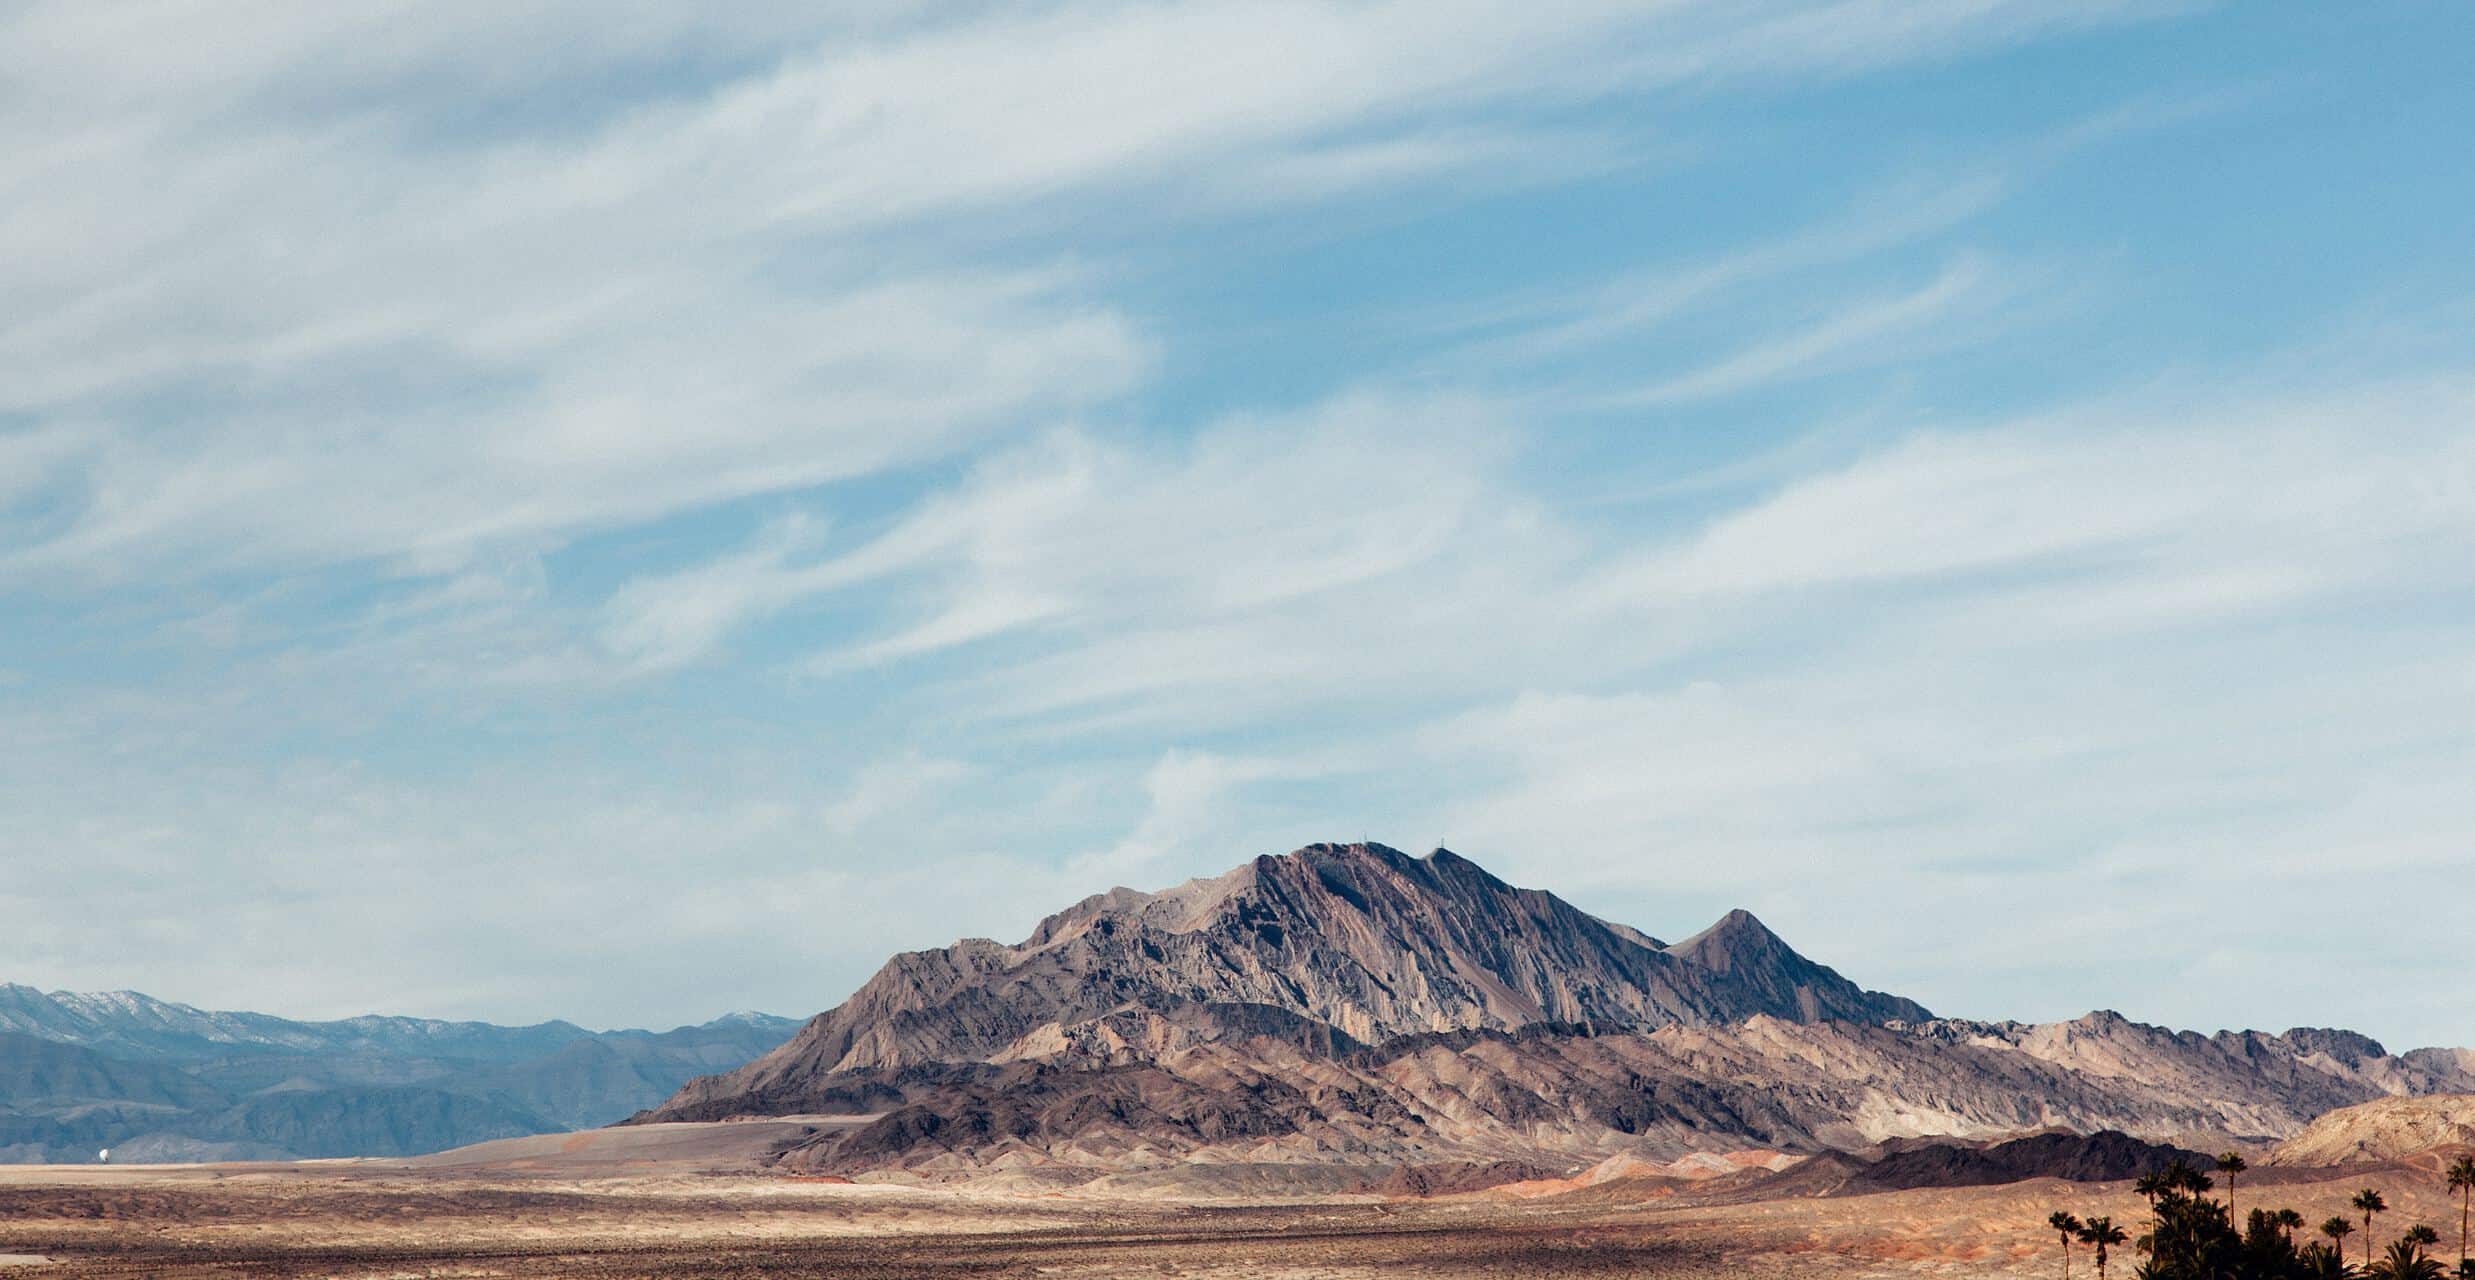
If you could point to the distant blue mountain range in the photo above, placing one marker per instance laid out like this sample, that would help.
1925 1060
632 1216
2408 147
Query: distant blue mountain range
152 1080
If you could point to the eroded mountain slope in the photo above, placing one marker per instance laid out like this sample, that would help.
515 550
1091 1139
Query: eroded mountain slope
1332 947
1350 1004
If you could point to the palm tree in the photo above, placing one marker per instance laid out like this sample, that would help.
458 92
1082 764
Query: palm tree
2368 1203
2317 1261
2337 1229
2406 1260
2149 1186
2289 1222
2182 1177
2067 1225
2230 1164
2462 1181
2102 1233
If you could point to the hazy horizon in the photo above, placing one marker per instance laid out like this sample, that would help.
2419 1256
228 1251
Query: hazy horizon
535 512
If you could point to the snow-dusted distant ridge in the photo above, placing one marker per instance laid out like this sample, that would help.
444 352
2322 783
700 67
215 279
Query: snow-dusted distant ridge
133 1023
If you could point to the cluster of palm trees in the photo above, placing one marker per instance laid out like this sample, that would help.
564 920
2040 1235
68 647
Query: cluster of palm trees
2193 1237
2099 1233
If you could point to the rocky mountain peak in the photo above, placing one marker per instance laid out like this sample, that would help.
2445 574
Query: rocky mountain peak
2351 1048
1326 947
1768 974
1738 939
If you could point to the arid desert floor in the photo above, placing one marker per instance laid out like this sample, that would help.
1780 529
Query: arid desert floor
668 1207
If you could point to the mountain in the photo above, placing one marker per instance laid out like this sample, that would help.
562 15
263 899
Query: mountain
1907 1165
1351 1004
1765 976
135 1025
1334 947
1559 1093
602 1078
2107 1156
155 1080
2383 1130
1340 1015
33 1068
65 1101
402 1120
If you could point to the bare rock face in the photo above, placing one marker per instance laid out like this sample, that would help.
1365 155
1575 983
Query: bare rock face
2255 1085
1765 975
1350 1005
2383 1130
1330 947
1553 1093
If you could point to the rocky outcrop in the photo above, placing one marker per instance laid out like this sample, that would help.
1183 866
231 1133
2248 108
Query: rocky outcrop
2108 1156
2253 1084
1555 1094
1347 1004
1328 948
1763 975
2383 1130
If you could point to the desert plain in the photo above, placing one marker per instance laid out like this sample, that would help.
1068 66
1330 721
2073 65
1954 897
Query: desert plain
691 1200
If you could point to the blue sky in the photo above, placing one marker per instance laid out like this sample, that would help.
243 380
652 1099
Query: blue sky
540 509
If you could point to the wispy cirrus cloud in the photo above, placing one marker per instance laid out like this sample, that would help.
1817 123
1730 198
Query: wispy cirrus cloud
1541 325
2101 651
1087 534
1871 331
293 291
717 470
2111 492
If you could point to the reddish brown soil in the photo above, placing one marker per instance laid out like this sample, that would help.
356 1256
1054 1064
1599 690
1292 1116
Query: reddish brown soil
358 1220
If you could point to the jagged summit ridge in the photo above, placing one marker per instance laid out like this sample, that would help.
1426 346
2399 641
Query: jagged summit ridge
1331 946
1742 950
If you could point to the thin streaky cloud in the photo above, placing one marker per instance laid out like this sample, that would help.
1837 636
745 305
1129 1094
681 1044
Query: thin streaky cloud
1644 301
722 470
1874 330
